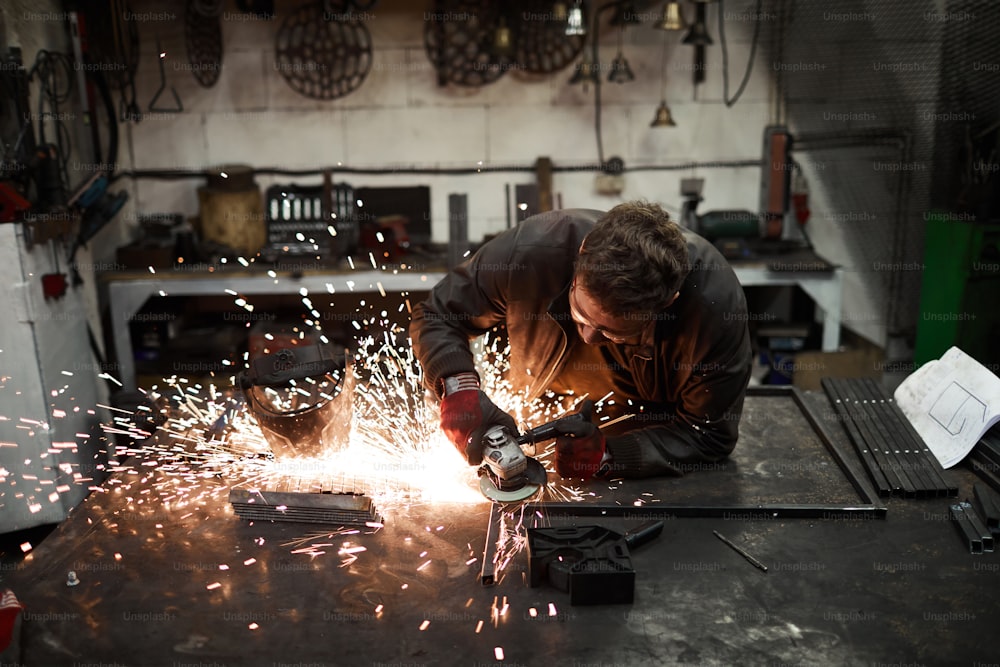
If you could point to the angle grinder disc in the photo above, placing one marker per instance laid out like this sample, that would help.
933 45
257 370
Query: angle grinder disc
535 478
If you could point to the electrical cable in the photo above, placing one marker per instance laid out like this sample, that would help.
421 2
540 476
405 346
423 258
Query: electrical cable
725 55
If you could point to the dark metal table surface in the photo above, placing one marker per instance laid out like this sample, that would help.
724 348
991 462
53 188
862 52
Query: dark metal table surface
183 581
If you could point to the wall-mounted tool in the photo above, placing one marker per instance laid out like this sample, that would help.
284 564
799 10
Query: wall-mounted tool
178 107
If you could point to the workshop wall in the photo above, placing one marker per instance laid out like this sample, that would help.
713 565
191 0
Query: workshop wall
401 117
49 422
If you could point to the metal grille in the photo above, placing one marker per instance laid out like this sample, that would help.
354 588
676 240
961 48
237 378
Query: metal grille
882 95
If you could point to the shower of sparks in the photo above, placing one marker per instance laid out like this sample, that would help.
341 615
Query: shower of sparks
192 442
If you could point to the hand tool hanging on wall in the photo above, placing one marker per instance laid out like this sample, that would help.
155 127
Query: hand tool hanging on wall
162 56
203 40
323 50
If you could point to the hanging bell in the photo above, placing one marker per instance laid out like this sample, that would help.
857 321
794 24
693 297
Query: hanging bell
586 72
559 12
698 34
620 70
663 116
672 19
503 43
575 24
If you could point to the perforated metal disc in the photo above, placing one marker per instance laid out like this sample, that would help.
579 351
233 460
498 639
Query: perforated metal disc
458 35
543 47
203 38
321 58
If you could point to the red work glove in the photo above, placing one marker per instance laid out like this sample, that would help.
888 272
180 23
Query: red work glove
580 449
9 609
467 413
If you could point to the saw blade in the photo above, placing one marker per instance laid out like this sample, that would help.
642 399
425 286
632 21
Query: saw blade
535 478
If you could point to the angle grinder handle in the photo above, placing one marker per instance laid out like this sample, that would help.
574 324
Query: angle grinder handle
550 430
645 533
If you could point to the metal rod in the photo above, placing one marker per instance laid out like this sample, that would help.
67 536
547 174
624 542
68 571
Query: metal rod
733 512
487 575
865 453
750 559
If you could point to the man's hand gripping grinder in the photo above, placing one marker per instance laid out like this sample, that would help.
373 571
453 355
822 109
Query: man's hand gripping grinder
508 475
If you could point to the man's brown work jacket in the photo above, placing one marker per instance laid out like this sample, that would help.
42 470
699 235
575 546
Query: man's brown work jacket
693 362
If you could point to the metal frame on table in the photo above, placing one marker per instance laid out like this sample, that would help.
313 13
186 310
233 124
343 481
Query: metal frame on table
868 508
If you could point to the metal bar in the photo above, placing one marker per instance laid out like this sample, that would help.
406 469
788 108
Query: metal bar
734 512
971 536
864 451
897 423
988 504
487 576
860 485
984 471
977 523
875 438
933 465
909 467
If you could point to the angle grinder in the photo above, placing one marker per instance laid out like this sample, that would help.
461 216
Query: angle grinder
508 475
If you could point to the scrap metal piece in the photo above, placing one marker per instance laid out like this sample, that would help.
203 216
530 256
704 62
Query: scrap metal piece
487 576
965 527
330 508
979 525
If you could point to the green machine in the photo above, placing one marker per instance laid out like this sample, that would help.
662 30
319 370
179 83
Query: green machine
960 294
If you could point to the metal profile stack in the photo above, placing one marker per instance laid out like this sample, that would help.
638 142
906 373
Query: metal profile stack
893 453
304 502
985 458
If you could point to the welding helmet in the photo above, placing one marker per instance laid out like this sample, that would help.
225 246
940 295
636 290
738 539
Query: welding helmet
302 398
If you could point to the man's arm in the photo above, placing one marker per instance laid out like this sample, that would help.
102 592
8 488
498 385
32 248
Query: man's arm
706 423
469 301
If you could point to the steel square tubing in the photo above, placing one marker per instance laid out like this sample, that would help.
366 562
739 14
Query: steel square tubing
913 466
847 408
899 424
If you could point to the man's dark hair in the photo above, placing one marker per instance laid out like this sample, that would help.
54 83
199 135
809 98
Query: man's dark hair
634 259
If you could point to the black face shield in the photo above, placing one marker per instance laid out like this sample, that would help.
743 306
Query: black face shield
302 399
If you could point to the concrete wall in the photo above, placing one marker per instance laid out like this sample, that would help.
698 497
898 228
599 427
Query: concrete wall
400 116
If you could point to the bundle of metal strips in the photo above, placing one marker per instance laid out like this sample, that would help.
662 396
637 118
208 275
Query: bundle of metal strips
342 509
989 505
893 453
985 458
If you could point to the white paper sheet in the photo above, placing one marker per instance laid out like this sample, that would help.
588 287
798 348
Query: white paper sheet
951 403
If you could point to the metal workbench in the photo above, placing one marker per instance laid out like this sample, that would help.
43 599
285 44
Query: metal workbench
127 292
191 584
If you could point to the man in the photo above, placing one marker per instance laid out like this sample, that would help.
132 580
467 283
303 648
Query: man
625 302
